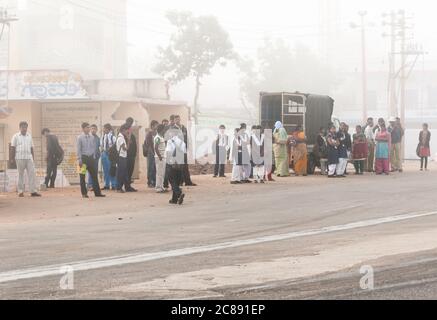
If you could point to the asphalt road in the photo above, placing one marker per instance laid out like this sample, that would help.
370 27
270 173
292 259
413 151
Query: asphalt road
298 238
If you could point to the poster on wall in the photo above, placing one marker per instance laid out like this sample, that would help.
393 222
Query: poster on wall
65 120
5 112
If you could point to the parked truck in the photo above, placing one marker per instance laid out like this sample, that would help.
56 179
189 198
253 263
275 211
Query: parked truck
309 111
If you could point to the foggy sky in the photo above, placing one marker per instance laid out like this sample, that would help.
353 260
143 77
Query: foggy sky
249 22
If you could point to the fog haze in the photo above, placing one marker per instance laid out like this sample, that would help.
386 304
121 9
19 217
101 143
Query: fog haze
322 26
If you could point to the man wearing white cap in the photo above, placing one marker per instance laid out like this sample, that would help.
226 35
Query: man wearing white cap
396 145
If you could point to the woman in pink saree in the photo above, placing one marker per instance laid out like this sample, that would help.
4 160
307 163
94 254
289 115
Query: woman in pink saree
382 153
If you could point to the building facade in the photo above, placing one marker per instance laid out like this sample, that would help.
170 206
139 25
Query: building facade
61 101
86 37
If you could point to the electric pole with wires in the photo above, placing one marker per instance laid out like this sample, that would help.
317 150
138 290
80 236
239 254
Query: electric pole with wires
5 21
402 45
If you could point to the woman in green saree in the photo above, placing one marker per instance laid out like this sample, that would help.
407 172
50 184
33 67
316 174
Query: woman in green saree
280 139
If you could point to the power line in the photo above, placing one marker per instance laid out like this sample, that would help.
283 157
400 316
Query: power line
247 29
106 20
140 26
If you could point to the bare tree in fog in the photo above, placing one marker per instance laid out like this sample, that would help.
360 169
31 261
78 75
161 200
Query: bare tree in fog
197 46
280 68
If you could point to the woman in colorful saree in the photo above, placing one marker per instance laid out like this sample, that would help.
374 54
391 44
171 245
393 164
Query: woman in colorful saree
300 153
280 139
382 153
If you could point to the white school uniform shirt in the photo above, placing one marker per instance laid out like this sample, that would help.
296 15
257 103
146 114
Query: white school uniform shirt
223 141
370 135
245 142
160 142
258 142
23 146
120 141
235 144
170 149
108 140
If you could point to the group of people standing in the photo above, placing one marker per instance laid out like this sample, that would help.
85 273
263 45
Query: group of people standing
289 151
339 146
372 148
246 153
118 153
166 147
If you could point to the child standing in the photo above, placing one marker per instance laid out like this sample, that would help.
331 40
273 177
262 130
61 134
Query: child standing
359 150
237 158
424 148
333 143
257 147
221 146
382 154
160 159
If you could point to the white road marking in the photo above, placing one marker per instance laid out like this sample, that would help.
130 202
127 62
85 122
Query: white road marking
45 271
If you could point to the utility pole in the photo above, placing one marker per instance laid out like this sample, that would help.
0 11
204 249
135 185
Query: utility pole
363 26
399 33
403 32
5 21
392 99
363 44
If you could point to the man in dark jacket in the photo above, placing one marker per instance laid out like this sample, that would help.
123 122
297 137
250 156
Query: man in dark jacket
97 155
186 178
54 156
132 149
150 153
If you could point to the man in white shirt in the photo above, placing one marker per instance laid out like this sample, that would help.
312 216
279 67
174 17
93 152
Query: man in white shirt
236 156
159 147
175 157
22 154
369 132
245 147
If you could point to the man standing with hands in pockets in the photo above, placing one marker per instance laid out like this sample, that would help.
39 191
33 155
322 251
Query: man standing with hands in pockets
86 157
22 154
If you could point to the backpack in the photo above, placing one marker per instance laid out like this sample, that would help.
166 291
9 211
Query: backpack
113 154
145 148
59 155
